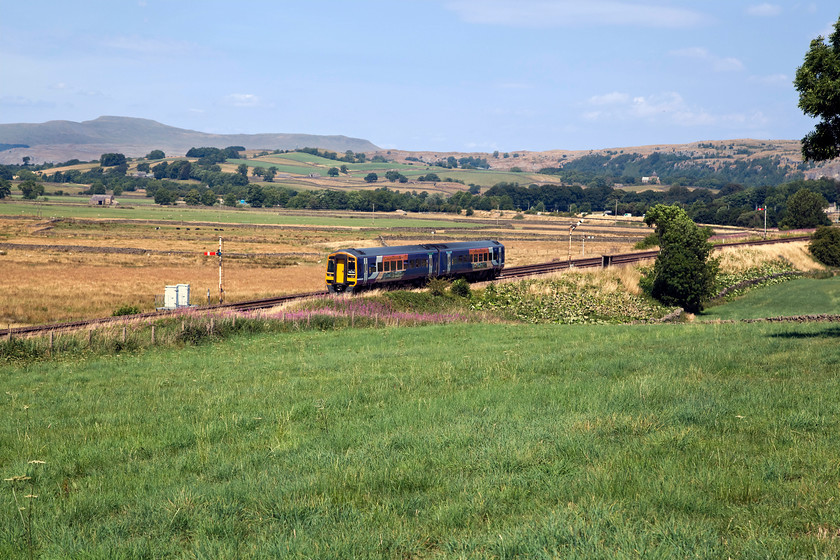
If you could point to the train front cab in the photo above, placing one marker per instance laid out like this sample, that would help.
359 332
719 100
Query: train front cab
341 273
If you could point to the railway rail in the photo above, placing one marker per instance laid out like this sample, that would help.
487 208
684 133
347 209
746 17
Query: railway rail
510 272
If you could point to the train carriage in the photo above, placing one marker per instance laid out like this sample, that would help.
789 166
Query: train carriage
353 270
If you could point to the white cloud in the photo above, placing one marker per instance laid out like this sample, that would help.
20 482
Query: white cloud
717 63
567 13
665 108
772 79
609 98
764 10
244 100
144 46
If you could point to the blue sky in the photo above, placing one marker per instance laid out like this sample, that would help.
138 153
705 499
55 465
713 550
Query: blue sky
438 75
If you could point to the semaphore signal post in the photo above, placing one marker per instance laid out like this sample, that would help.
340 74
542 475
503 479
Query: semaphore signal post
213 253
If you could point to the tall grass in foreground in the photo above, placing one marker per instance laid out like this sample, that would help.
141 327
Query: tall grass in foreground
496 441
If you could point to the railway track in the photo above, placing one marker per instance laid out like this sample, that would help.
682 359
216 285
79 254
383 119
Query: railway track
510 272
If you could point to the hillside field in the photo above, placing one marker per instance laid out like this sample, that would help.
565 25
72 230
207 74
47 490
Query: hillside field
491 441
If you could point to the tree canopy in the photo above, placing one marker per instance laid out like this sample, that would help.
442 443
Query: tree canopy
683 274
818 84
805 209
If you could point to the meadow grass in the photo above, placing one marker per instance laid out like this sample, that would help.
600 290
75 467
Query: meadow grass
220 215
803 296
455 441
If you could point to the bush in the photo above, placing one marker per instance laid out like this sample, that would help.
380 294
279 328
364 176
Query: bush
683 274
651 240
460 288
126 310
825 245
438 286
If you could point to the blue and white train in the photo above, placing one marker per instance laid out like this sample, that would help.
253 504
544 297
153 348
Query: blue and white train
353 270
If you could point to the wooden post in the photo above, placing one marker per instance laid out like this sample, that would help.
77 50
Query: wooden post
123 335
51 341
90 337
352 318
212 323
183 325
153 335
308 317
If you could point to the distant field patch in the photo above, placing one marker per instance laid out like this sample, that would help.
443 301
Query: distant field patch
217 214
804 296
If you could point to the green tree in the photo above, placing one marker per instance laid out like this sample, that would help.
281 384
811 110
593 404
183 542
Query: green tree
31 189
193 197
5 188
164 196
332 172
344 169
819 96
242 169
683 274
231 199
107 160
825 245
209 198
371 178
155 154
805 209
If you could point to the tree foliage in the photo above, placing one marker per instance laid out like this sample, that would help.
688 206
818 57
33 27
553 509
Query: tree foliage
156 154
805 209
31 189
825 245
5 188
818 84
683 274
108 160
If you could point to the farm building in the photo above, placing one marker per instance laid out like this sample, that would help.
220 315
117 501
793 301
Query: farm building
102 200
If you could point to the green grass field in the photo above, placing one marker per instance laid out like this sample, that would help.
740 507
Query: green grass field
214 214
488 441
804 296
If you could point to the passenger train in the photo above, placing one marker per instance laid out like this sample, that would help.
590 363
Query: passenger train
353 270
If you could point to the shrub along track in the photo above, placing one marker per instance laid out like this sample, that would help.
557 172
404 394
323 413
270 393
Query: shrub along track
512 272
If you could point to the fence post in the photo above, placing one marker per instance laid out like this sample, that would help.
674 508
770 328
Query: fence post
153 335
51 341
90 337
123 335
212 323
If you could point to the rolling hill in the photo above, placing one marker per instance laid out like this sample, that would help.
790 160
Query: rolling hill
56 141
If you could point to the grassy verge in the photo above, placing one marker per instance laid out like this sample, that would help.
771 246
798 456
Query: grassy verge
495 441
803 296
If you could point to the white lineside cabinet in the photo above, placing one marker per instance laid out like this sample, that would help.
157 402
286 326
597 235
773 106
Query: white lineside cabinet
176 296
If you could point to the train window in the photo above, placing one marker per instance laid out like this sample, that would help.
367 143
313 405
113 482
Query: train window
331 266
372 269
351 267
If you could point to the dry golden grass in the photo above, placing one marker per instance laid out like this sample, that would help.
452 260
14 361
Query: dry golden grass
63 286
47 284
738 259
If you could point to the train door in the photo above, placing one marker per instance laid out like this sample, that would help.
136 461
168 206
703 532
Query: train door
448 262
340 262
431 264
